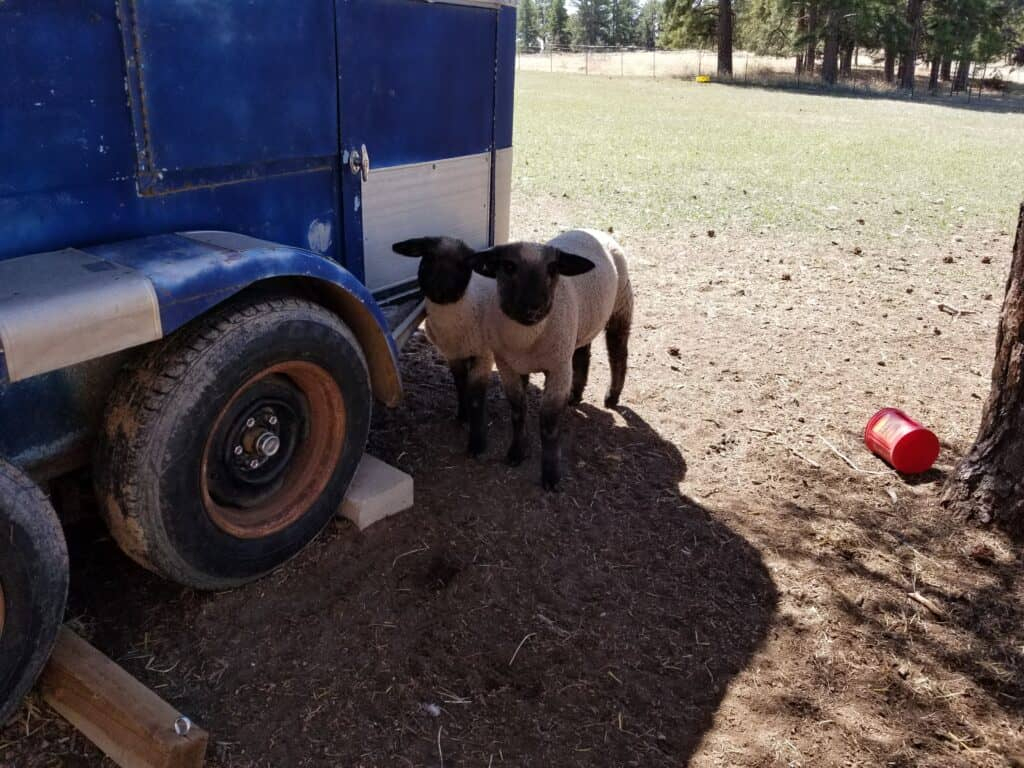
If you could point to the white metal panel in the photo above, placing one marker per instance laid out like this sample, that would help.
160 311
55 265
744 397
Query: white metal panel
447 197
502 195
65 307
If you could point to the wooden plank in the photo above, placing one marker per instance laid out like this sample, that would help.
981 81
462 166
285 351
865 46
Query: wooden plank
132 725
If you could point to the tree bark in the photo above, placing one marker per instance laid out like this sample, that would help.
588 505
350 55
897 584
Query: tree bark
963 68
988 483
830 57
909 58
846 60
890 64
812 43
725 38
933 77
801 30
945 72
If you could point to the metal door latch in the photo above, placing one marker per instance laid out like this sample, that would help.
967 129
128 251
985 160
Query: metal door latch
359 162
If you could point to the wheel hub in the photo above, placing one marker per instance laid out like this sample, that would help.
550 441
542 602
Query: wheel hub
272 449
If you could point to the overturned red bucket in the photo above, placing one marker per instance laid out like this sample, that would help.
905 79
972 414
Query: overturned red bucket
906 445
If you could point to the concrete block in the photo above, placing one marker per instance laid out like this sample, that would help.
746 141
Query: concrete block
377 491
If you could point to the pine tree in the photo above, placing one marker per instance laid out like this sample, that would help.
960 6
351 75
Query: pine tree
648 24
593 22
529 29
624 15
558 24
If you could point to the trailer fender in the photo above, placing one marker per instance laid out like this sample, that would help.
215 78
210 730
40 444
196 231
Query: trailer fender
67 307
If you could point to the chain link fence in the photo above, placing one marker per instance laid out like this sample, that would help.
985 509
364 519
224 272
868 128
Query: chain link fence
994 86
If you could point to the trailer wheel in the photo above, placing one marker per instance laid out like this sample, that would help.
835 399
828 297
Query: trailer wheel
229 446
33 585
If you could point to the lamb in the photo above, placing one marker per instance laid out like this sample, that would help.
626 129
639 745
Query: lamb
456 301
538 321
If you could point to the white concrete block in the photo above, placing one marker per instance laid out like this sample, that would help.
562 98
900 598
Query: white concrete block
377 491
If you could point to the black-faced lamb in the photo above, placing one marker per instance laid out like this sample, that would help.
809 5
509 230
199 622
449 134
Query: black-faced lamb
552 301
457 300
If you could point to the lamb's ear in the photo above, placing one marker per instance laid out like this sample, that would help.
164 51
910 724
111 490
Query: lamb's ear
417 248
485 262
571 265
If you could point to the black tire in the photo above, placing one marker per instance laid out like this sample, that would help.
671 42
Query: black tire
174 494
33 585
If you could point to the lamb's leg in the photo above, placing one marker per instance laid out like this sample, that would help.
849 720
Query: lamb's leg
557 385
580 373
460 374
515 392
477 378
616 335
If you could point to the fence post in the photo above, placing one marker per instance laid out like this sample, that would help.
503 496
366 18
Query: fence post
586 58
551 58
622 62
746 66
654 62
700 62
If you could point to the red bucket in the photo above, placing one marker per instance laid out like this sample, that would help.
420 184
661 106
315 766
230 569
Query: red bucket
907 446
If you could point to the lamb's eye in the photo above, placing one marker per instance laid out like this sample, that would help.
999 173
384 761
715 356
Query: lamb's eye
508 267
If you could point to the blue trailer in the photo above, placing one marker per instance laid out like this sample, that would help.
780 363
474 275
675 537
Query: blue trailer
197 292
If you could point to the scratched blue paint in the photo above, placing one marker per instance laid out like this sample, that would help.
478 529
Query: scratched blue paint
428 94
248 80
190 276
129 120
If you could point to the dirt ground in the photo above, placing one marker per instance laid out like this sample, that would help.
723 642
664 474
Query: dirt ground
714 585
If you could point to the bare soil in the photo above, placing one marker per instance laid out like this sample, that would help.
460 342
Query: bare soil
715 585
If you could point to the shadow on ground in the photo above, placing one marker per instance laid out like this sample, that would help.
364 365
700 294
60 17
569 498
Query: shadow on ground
494 624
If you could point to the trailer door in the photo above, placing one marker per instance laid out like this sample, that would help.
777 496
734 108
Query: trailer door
417 90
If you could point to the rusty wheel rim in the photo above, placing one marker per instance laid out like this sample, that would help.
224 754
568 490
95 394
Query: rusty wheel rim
272 450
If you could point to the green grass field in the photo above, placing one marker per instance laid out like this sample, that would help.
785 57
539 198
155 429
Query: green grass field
671 156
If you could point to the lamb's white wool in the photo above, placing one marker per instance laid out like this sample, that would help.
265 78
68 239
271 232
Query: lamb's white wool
580 310
457 329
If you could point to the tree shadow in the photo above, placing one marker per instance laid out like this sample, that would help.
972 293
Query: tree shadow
493 623
1006 104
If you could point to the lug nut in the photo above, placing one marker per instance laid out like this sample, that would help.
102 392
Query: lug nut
238 450
253 464
251 422
272 421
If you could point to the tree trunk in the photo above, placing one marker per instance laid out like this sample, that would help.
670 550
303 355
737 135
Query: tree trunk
846 60
909 59
725 38
801 30
945 72
890 63
963 69
830 57
812 43
988 483
933 77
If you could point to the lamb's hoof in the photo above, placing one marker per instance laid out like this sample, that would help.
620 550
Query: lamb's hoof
549 483
611 400
516 455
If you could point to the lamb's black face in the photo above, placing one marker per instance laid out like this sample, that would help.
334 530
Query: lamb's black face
527 275
446 266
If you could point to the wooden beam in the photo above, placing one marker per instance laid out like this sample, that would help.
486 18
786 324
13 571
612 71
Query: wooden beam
132 725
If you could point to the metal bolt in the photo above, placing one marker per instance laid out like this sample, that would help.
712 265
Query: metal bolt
182 726
238 450
272 421
251 422
253 464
